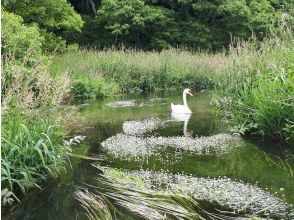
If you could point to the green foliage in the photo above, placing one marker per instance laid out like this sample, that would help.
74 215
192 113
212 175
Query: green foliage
31 139
151 25
137 71
258 92
132 21
56 18
93 88
188 24
52 15
29 152
18 38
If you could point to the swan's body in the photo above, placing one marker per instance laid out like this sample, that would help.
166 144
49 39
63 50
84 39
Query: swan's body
184 109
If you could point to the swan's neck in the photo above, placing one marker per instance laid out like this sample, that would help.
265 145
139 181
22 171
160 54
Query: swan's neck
185 100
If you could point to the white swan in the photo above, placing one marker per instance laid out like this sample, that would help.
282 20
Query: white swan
184 109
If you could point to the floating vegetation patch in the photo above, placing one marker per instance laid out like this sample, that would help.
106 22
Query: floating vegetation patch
129 191
156 99
142 126
242 198
162 100
125 146
121 104
159 195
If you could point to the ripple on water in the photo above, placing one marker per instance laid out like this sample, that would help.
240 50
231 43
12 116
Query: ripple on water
241 197
125 146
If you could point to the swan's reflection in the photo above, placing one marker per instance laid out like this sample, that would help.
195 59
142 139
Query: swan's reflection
185 118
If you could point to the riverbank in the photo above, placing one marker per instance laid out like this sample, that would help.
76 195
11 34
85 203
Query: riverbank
253 81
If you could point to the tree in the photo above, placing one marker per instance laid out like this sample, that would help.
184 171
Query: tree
53 17
131 21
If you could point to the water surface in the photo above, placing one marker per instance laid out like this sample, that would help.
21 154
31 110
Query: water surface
242 160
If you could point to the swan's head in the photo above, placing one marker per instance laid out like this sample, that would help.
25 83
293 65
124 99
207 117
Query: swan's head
188 92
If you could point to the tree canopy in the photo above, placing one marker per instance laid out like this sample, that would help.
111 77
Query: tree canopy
149 24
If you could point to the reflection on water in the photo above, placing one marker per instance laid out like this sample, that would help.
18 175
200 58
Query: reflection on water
183 118
162 142
140 127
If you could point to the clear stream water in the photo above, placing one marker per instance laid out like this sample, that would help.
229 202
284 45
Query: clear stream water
131 132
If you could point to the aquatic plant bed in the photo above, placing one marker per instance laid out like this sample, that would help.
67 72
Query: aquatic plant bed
156 195
125 146
241 197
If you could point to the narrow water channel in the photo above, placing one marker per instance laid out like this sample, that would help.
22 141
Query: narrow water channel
139 136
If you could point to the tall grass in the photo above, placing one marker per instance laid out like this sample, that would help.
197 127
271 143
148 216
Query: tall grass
32 136
257 94
138 71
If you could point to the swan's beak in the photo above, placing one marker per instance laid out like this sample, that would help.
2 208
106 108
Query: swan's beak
190 93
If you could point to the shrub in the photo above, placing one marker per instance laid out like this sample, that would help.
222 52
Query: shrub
93 88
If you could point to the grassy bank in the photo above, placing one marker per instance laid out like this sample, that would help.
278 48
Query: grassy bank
32 134
106 72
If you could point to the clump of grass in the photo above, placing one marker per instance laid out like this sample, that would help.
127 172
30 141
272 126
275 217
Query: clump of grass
93 88
30 153
257 94
32 136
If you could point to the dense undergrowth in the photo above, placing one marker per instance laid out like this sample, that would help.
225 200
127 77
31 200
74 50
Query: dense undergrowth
32 147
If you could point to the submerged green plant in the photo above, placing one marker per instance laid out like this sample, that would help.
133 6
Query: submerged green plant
93 204
279 163
131 193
